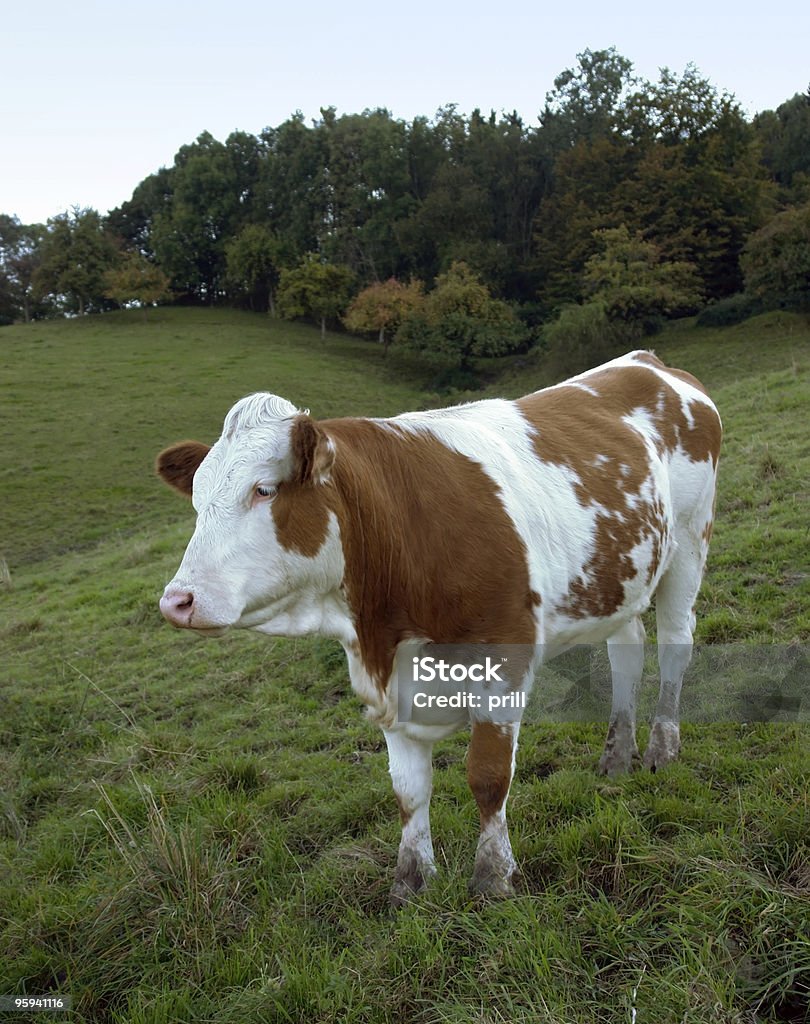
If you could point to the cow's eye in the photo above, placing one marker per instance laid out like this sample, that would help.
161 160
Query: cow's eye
266 491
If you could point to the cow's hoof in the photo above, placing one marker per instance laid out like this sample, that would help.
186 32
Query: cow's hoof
664 745
402 894
410 879
621 753
616 761
494 885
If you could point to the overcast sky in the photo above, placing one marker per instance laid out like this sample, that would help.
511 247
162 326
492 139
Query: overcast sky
96 95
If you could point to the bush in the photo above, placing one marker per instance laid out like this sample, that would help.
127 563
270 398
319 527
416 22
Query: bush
458 322
455 379
732 310
583 336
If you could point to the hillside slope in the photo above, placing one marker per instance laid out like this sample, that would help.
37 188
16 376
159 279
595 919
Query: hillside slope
196 830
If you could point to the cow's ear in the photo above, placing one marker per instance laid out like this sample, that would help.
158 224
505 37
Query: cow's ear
313 451
177 464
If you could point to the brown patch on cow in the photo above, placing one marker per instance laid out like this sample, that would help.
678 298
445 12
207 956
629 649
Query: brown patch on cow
702 440
706 534
599 592
312 452
429 548
489 767
658 534
583 433
300 511
177 464
404 814
301 518
621 390
586 433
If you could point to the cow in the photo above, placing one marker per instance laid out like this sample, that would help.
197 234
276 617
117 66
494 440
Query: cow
544 522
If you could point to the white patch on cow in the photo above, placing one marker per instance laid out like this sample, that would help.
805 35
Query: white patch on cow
642 422
315 605
692 486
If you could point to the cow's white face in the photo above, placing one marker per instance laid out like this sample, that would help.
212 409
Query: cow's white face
266 545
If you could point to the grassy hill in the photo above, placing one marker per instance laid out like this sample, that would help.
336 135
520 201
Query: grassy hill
205 830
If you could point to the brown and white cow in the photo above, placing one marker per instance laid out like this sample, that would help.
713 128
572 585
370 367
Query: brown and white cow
547 521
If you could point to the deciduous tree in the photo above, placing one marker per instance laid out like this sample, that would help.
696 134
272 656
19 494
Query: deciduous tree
632 281
20 258
381 308
76 251
212 197
253 265
460 320
136 279
785 138
315 289
776 261
586 101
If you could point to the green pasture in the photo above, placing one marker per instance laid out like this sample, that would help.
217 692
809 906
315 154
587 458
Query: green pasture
204 830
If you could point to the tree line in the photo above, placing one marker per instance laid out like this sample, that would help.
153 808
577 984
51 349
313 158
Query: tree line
628 201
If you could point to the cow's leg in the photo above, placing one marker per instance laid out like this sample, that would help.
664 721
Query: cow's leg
490 766
410 763
626 654
675 619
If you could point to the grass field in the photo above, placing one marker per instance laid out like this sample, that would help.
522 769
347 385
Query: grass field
204 831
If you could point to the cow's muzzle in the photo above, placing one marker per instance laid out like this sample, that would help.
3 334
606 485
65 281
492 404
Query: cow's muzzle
179 607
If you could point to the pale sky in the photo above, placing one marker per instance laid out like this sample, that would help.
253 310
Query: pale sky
96 95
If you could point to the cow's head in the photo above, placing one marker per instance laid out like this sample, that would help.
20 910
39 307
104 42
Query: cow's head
266 538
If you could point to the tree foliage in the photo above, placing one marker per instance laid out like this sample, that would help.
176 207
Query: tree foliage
75 253
212 197
524 206
316 290
253 260
785 138
776 261
460 320
583 334
136 279
633 282
381 307
587 101
20 258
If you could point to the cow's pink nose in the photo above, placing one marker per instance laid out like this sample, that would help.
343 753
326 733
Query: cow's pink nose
176 606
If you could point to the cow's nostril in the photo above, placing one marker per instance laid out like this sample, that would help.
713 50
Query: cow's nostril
176 606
